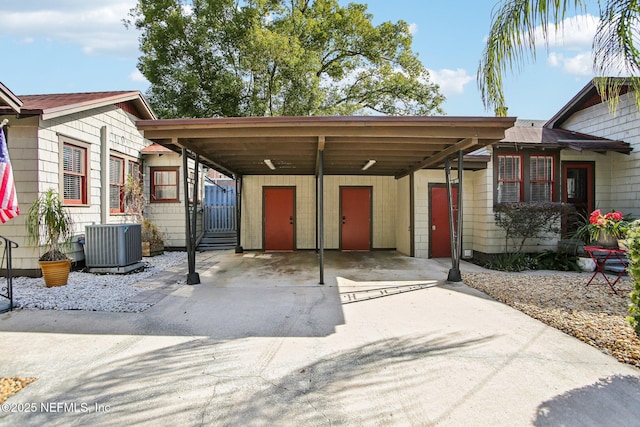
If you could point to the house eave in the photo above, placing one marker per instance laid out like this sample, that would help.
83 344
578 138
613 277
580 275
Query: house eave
64 110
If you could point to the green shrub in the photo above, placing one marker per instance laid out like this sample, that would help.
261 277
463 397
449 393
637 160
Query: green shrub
559 261
510 261
633 254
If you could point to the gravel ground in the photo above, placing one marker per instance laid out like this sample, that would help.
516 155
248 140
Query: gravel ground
593 314
92 292
10 386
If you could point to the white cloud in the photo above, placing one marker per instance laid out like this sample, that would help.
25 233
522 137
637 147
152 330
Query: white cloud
413 28
138 77
571 44
95 26
580 64
451 81
575 33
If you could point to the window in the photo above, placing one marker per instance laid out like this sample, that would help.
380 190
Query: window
509 178
164 184
541 178
526 176
116 184
133 170
74 160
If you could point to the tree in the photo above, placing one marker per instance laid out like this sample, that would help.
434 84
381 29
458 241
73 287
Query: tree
208 58
512 40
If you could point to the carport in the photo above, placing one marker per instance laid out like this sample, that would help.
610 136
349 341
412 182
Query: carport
320 146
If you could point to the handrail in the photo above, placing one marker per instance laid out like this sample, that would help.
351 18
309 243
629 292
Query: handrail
7 290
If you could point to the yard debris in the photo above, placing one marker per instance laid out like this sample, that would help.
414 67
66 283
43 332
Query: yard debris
593 314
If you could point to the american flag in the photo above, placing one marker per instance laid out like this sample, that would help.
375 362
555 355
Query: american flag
8 200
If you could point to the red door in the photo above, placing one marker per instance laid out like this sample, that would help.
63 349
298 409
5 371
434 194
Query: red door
440 236
279 219
578 189
355 217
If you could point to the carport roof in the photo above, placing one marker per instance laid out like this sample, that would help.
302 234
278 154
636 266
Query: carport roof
399 145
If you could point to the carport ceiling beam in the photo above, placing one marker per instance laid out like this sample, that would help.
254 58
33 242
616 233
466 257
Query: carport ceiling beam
340 133
203 157
442 155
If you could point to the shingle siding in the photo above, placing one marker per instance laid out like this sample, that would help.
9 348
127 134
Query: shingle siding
34 148
617 175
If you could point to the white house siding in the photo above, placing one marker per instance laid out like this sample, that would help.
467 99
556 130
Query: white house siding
38 166
485 234
403 224
604 170
617 175
23 151
384 209
421 208
170 217
383 214
487 237
252 207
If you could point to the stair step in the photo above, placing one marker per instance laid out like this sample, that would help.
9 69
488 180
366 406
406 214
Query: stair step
218 241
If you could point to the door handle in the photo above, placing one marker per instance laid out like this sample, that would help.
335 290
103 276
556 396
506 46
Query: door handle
344 219
291 220
433 227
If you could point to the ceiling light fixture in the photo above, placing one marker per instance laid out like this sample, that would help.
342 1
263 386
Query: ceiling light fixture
270 164
368 165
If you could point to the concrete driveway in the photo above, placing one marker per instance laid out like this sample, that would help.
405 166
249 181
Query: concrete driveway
259 342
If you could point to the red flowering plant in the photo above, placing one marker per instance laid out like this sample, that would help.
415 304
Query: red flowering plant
611 223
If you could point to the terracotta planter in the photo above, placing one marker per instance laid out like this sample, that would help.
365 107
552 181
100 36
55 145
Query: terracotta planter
154 249
56 273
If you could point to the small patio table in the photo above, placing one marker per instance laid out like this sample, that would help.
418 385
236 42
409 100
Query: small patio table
600 256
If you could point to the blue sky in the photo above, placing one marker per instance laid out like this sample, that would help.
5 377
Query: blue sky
60 46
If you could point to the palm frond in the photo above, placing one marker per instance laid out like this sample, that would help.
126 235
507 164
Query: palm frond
512 42
616 55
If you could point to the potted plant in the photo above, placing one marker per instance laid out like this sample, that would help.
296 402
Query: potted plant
607 229
152 240
50 225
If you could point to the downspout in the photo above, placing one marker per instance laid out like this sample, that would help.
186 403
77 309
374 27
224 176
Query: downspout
104 175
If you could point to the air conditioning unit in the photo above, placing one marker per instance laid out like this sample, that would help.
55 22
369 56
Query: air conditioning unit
112 247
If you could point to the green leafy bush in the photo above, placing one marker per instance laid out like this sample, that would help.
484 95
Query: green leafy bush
633 254
510 261
559 261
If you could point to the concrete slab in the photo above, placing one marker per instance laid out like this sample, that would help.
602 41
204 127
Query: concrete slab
259 342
